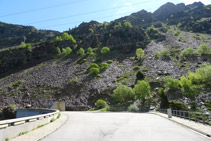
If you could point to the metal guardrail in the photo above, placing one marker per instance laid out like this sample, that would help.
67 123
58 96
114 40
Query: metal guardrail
194 116
23 120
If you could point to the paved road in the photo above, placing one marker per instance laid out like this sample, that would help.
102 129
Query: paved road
87 126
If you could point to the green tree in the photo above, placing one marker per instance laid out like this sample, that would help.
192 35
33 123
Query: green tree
81 52
187 52
94 71
93 65
127 24
165 53
171 83
100 104
28 46
123 93
203 49
142 90
58 38
104 66
58 51
68 50
90 51
140 53
188 89
63 52
105 50
23 45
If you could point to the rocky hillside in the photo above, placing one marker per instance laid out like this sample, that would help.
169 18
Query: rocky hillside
60 69
12 35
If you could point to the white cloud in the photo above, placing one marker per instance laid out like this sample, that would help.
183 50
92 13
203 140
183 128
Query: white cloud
192 1
128 4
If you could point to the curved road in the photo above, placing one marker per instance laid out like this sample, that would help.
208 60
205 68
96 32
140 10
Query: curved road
88 126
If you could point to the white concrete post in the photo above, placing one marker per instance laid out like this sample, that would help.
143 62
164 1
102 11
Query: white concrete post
169 113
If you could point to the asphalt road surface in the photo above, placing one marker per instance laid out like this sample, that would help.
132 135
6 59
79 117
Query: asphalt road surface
92 126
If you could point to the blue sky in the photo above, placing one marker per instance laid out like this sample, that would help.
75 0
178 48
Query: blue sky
61 15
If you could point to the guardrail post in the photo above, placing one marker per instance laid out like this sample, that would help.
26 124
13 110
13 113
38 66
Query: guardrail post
169 113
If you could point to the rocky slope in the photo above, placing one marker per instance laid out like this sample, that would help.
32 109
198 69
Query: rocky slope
41 76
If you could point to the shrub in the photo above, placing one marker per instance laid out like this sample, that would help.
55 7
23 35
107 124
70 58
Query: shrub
90 51
127 24
195 78
187 52
205 74
176 105
187 88
176 33
73 80
181 39
110 61
156 54
105 50
16 84
140 53
81 52
203 49
94 71
23 45
171 83
58 51
68 50
100 104
142 90
136 68
165 53
93 65
12 107
66 36
104 66
123 94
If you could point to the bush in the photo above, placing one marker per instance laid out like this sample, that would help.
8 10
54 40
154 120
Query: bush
203 49
123 94
58 51
105 50
142 90
90 51
176 33
176 105
23 45
110 61
181 39
100 104
94 71
93 65
188 89
156 54
127 24
104 66
187 52
16 84
140 53
136 68
73 80
165 53
171 83
68 50
205 73
81 52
